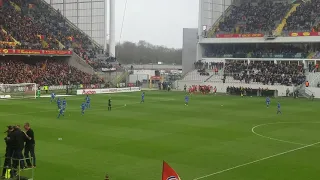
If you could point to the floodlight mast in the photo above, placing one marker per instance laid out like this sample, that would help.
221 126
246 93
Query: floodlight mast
112 29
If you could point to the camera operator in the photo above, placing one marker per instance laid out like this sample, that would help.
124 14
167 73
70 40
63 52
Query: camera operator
9 153
18 139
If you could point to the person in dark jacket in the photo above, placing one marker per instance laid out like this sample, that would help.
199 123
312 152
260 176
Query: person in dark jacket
18 139
9 151
29 146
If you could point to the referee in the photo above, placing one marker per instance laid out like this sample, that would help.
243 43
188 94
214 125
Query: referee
29 146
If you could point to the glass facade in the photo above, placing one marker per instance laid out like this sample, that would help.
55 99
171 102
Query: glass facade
211 10
88 15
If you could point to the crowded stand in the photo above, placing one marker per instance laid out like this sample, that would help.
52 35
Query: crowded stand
260 17
260 51
305 18
42 71
33 24
283 73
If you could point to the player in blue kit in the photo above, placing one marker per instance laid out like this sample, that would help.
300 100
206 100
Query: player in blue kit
83 108
268 102
186 99
279 110
59 103
142 97
61 113
53 96
64 104
87 101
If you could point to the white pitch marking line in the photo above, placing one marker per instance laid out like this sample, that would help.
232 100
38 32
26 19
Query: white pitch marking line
262 159
280 140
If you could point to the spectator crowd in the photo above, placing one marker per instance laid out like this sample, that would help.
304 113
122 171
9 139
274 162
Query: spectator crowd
36 25
256 17
305 18
252 51
43 72
266 72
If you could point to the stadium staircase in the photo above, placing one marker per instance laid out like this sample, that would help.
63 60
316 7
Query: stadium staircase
220 19
313 78
311 55
280 27
16 7
303 91
120 77
215 77
17 42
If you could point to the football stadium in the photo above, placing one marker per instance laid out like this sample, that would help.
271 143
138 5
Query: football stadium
242 105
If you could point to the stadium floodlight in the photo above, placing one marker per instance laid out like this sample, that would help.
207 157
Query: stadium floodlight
18 91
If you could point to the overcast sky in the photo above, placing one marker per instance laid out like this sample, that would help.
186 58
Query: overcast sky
159 22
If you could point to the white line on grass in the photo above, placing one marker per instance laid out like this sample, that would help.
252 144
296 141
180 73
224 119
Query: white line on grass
279 140
252 162
78 109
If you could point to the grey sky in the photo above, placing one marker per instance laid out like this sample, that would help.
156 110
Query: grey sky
159 22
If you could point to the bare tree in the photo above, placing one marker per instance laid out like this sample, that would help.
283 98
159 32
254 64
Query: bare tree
144 53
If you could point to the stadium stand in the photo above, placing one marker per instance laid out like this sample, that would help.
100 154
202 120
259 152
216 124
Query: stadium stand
42 71
258 17
252 51
266 72
305 18
34 24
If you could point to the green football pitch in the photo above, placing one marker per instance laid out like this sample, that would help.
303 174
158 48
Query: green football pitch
214 138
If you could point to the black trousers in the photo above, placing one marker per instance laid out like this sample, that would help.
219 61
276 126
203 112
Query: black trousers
29 151
17 158
7 161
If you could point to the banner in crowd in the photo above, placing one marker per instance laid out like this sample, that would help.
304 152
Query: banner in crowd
294 34
8 43
35 52
239 35
107 91
108 69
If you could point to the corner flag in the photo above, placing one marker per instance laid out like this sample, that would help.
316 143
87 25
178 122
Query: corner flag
168 173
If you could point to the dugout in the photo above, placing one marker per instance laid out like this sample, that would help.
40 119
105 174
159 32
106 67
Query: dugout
260 92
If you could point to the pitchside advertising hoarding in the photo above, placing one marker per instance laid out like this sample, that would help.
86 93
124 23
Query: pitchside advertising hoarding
107 91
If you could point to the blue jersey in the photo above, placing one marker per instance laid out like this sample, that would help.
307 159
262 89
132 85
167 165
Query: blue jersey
64 104
88 100
83 106
268 100
53 95
59 103
142 96
186 98
278 105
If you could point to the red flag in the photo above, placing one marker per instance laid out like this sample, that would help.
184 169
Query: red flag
168 173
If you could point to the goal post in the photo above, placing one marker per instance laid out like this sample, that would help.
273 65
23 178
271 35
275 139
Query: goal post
18 91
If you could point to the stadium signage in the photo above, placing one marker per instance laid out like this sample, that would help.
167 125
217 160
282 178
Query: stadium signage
88 91
107 91
5 96
108 69
295 34
239 35
35 52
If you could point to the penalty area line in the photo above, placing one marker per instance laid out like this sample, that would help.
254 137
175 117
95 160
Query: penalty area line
252 162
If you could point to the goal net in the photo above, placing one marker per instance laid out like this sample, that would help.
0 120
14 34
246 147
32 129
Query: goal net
18 91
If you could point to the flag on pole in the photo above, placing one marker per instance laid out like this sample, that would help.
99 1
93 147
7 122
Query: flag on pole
168 173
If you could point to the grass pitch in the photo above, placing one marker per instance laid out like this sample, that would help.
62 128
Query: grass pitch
211 139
